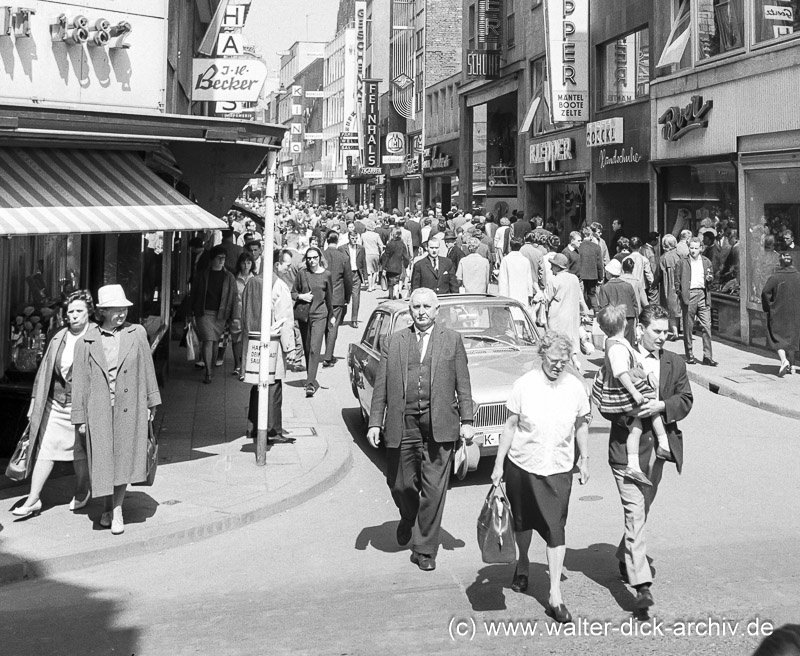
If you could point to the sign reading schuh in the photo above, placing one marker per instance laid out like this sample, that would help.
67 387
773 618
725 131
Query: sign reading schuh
568 53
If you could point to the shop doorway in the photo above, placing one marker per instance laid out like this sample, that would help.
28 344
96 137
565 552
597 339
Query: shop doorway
629 202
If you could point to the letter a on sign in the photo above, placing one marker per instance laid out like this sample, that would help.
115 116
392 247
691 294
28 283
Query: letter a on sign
229 44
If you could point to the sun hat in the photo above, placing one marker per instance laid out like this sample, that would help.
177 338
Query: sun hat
466 458
110 296
614 267
560 260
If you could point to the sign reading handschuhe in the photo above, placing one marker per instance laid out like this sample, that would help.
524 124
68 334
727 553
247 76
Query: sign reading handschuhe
228 79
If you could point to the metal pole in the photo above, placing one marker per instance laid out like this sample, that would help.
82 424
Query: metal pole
266 311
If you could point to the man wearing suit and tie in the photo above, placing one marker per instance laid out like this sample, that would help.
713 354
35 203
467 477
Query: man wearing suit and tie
422 385
434 272
357 257
338 264
673 403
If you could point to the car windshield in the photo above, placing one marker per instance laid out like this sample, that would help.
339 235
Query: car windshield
484 325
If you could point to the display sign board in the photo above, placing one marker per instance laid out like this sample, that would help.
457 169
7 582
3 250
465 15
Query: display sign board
434 159
393 159
228 79
372 154
313 175
361 47
314 136
114 59
371 170
567 27
483 64
490 18
230 45
315 94
348 142
296 147
396 143
550 152
602 133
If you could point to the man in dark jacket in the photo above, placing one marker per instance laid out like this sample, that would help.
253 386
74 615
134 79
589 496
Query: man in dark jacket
434 272
619 292
413 226
674 403
342 284
573 257
521 226
591 267
357 258
454 252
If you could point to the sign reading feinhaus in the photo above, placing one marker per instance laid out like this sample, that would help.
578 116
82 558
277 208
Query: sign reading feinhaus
607 131
568 53
550 152
228 79
372 146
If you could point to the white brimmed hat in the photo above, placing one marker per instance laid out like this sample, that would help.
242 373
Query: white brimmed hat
466 458
110 296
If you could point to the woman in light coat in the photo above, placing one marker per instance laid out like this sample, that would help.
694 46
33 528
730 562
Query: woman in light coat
566 305
114 397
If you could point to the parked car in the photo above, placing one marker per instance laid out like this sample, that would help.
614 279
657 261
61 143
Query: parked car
501 344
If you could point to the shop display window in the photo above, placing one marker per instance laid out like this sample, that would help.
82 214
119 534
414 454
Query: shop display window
773 223
566 208
625 69
773 19
479 150
43 271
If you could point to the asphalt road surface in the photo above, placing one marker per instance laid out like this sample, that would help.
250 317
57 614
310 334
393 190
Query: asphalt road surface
327 577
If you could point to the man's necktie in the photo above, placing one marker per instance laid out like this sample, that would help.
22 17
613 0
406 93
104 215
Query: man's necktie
420 344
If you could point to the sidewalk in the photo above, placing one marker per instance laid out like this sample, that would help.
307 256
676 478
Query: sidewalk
207 481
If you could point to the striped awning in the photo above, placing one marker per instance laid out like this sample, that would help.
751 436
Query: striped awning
59 191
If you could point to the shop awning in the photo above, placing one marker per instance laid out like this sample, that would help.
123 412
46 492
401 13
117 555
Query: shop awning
58 191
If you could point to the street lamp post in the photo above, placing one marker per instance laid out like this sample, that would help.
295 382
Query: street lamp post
266 311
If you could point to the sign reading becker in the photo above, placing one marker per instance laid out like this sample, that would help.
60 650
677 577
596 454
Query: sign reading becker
227 79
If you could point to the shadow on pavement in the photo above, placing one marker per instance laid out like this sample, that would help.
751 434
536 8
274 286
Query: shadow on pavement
52 617
767 369
598 562
383 538
486 592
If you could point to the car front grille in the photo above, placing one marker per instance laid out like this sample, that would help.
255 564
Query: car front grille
491 414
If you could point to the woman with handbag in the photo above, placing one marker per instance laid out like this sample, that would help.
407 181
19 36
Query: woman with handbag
214 304
114 399
312 295
52 437
550 413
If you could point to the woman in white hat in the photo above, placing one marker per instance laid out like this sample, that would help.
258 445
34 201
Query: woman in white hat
53 437
114 397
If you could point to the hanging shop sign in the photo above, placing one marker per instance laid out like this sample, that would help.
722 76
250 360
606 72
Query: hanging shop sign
228 79
621 156
483 64
348 142
315 94
433 159
490 20
602 133
550 152
678 121
568 55
361 47
372 147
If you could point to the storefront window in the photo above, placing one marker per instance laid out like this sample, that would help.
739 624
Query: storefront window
566 208
676 55
625 69
772 20
773 223
720 27
479 150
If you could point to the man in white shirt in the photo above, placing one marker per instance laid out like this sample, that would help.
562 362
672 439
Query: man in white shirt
694 275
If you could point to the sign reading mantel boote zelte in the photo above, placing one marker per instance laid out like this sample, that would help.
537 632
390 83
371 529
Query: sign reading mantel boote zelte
228 79
567 27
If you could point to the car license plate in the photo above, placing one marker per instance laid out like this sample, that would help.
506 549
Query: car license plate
492 439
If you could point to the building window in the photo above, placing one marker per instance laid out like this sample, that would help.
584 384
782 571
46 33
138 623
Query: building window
419 41
625 69
471 27
510 23
720 27
676 55
420 89
772 20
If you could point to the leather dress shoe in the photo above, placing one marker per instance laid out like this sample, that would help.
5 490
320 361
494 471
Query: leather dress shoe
709 362
329 363
520 583
665 454
403 532
354 324
425 562
690 360
637 476
644 598
623 572
280 439
561 614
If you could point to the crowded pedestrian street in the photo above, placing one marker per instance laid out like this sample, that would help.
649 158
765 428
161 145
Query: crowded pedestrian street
399 327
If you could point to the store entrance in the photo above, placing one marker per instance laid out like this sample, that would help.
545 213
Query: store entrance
629 202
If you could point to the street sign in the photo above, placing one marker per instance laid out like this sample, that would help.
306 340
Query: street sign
297 91
314 136
296 147
297 110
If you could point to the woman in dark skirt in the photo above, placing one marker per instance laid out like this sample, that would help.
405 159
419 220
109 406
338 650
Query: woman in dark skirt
394 261
550 412
780 299
214 304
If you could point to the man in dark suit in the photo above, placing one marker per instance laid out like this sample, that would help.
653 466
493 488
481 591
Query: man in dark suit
673 403
619 292
357 257
521 227
342 286
422 385
434 272
591 267
454 253
694 275
573 256
414 227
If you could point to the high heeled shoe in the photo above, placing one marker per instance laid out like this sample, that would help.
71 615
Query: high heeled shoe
77 505
28 510
117 526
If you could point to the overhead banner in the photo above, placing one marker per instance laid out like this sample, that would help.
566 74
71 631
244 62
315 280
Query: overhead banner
568 56
372 148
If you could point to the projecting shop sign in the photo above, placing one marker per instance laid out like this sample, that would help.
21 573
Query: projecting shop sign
607 131
568 54
228 79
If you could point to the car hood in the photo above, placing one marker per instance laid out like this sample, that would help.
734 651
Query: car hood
493 373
